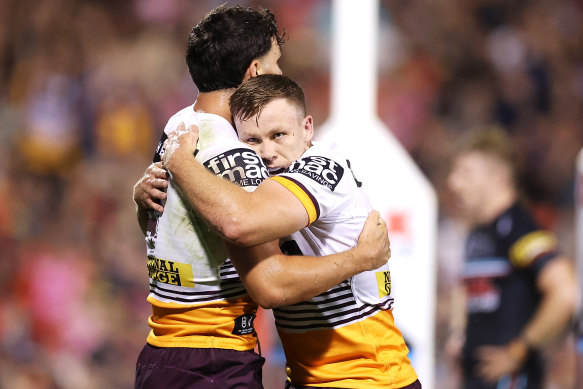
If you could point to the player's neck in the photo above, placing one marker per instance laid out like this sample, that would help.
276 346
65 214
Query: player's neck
498 204
216 102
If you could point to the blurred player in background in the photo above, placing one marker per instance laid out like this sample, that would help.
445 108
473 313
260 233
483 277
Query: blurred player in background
521 293
345 337
202 332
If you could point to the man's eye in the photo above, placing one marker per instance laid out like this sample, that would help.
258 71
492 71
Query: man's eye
278 135
252 140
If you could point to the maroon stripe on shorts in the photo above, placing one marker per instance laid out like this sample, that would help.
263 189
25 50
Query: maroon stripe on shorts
414 385
200 368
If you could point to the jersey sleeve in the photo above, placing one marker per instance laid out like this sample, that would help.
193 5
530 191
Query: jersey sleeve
533 250
531 247
315 180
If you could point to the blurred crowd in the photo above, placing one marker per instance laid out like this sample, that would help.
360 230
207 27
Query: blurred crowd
87 86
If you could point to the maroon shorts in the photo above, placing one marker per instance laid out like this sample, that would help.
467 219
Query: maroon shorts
289 385
200 368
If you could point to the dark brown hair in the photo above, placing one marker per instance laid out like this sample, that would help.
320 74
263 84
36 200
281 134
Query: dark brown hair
254 94
225 42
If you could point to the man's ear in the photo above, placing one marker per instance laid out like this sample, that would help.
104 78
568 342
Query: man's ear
252 70
308 128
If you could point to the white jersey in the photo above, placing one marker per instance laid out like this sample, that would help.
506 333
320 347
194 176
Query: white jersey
187 261
340 209
346 336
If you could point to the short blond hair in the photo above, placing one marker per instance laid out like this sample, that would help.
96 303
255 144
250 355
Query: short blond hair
492 141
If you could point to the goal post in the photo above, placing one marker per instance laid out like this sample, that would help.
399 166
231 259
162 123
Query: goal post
392 180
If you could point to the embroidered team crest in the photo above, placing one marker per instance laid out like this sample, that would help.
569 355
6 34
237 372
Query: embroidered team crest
320 169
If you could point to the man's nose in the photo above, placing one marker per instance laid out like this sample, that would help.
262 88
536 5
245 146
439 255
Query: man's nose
268 153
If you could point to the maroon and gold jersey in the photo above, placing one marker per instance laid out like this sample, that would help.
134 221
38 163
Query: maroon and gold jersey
197 297
345 337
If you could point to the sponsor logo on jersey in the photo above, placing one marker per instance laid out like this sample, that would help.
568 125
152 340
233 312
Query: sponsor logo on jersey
241 166
169 272
482 295
320 169
384 283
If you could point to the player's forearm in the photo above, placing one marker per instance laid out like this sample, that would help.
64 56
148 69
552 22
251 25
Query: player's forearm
243 218
284 280
221 203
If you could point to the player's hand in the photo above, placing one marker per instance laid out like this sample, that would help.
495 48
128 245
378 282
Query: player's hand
150 189
181 143
374 243
495 362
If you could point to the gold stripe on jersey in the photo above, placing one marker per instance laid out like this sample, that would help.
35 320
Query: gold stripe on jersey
301 195
384 283
367 354
170 272
208 325
531 246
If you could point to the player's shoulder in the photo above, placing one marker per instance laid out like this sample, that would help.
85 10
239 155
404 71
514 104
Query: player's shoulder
527 241
320 164
324 154
516 221
189 116
181 115
327 149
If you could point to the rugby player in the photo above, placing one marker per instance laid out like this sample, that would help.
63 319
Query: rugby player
520 290
202 333
345 337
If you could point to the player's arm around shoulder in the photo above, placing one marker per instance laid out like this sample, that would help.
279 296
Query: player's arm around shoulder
243 218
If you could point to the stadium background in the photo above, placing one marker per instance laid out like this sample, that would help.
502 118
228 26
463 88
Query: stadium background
86 87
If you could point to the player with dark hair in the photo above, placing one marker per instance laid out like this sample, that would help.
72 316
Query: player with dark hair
520 291
202 333
345 337
223 44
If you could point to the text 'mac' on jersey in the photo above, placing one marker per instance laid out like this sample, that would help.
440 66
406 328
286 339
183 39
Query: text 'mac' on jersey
345 337
197 297
503 260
